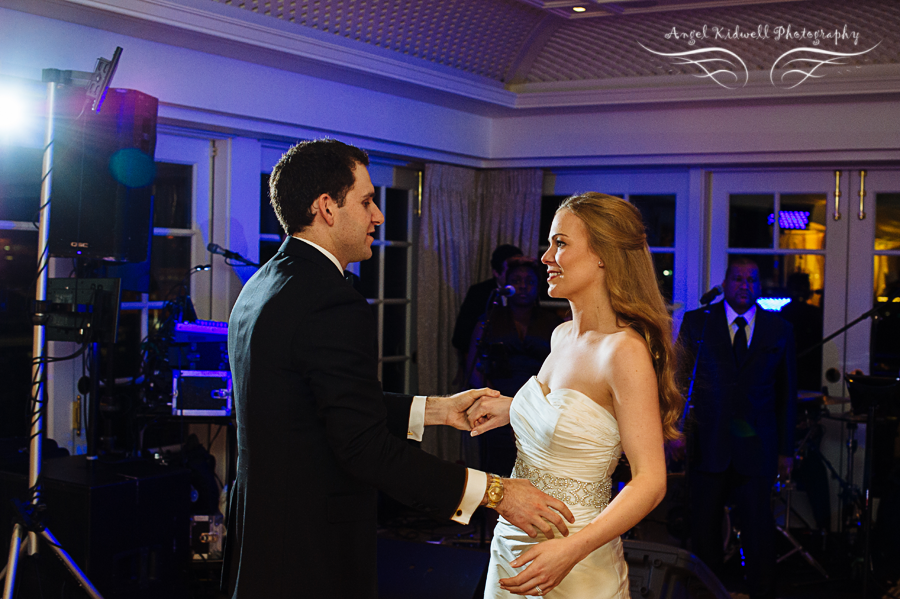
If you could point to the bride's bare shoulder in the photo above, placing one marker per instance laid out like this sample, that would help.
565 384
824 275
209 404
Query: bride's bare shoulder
559 332
623 347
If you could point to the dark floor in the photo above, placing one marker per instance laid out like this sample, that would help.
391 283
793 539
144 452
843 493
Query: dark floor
452 558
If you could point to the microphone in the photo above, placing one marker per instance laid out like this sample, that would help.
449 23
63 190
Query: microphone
215 248
506 291
710 295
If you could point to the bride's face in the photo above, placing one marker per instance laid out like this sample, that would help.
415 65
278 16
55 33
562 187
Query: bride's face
571 263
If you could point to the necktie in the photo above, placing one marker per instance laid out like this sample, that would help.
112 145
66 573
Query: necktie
740 340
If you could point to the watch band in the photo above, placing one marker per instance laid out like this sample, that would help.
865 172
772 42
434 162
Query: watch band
494 491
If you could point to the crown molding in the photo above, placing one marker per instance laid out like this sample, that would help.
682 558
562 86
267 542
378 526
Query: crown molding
833 82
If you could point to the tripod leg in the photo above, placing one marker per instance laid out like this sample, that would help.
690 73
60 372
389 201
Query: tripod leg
15 545
73 568
23 547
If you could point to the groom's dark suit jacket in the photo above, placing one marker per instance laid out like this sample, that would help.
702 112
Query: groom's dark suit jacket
742 415
316 436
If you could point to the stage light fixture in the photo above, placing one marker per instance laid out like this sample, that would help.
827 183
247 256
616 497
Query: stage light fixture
13 112
773 304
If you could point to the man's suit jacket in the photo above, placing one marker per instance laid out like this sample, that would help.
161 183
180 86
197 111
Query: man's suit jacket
316 436
742 415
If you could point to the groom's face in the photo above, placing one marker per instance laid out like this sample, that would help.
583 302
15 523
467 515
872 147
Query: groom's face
357 218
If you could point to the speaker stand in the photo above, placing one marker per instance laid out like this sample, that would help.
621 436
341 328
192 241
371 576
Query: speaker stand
27 525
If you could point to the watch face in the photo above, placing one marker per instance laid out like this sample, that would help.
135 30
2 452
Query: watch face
495 494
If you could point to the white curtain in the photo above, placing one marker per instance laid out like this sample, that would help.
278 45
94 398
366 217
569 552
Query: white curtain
465 215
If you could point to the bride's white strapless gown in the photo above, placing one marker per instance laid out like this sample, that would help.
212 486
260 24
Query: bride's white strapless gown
568 446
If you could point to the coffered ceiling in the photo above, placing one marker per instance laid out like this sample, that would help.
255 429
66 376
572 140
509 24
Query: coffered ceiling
537 54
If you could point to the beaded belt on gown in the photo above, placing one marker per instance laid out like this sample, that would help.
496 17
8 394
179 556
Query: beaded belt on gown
568 490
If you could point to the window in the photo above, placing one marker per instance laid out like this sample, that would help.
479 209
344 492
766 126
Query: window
170 262
794 243
386 282
658 212
271 235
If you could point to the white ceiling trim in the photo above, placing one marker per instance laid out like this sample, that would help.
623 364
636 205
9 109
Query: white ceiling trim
181 119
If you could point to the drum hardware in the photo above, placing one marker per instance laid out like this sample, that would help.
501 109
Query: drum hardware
787 489
785 531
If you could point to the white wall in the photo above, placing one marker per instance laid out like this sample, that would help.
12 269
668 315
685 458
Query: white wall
707 134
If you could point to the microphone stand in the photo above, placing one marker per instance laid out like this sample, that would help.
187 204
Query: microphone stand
849 325
482 347
483 353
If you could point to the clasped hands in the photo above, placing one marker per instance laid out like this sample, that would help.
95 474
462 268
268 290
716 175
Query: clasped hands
475 410
480 410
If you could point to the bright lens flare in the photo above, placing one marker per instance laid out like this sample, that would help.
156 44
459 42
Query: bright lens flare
12 112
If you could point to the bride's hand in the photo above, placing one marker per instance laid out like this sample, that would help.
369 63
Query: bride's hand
489 413
453 410
550 562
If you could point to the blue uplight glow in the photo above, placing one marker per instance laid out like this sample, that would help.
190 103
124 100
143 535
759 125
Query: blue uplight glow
791 219
773 304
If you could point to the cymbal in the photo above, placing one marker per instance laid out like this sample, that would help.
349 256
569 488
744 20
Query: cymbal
845 417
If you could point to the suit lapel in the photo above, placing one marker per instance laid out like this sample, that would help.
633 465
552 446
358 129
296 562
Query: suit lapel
720 337
761 333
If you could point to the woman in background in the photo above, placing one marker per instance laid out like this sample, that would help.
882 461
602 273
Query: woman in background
508 346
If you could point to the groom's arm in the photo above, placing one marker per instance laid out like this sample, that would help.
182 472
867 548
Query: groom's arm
440 410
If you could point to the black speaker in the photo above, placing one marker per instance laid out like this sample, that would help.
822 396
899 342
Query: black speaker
408 570
126 525
101 202
658 571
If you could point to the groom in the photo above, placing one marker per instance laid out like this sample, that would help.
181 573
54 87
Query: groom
316 434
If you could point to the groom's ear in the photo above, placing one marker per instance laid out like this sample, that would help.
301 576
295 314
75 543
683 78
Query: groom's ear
323 207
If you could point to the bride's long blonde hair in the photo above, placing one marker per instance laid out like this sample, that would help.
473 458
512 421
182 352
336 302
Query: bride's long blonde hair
617 236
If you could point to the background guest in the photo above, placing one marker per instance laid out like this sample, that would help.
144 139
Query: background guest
475 303
507 348
742 429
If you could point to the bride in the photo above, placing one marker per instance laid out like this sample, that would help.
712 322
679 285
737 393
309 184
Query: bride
607 386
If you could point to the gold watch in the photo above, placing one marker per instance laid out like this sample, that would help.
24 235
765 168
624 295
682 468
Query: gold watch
494 491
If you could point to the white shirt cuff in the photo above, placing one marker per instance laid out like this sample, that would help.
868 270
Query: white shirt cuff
416 419
476 484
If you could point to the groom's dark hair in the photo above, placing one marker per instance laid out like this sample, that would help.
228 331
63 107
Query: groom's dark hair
305 172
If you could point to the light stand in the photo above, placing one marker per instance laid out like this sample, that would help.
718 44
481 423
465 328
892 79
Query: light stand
27 526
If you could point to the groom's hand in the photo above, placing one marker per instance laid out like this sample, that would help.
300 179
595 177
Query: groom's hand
488 413
451 411
531 510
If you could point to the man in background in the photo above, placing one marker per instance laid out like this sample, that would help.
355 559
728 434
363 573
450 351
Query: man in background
741 430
